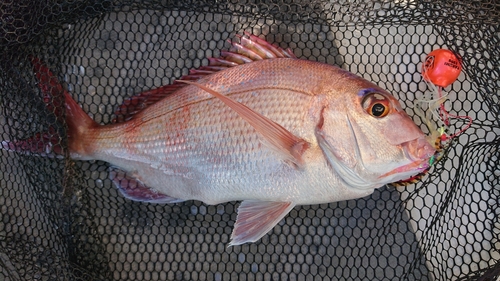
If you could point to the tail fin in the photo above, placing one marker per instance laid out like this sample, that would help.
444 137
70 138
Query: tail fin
43 144
57 100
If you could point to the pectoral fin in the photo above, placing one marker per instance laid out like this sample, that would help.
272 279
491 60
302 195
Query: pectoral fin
133 189
256 218
278 137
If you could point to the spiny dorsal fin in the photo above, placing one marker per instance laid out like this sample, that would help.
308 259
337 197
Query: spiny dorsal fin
251 48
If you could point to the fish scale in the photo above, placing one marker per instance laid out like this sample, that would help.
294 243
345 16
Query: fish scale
274 133
236 150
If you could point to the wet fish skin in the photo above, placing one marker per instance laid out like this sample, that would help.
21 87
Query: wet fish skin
190 145
194 139
205 151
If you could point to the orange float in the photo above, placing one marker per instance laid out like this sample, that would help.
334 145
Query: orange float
442 67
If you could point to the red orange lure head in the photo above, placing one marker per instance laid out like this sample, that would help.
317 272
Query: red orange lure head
442 67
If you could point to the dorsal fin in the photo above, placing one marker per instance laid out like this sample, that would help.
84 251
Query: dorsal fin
251 48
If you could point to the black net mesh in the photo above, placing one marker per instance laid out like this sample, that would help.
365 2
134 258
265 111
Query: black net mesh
64 220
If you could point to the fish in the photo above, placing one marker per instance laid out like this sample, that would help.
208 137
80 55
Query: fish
256 125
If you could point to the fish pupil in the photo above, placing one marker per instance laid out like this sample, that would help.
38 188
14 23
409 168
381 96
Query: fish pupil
378 109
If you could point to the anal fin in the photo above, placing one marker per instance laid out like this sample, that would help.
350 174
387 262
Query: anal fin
256 218
133 189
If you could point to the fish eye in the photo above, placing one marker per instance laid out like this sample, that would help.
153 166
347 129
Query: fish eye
377 105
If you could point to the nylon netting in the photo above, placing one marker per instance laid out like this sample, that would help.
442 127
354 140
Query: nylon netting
64 220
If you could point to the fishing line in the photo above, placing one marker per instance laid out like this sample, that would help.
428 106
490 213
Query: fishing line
440 69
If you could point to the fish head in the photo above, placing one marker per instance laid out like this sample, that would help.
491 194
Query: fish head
369 140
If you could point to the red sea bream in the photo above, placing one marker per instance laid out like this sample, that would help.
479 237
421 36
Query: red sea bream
257 125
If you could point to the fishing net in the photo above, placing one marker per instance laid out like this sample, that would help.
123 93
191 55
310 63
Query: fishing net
64 220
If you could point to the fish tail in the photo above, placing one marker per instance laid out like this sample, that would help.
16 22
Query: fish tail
43 144
60 102
79 123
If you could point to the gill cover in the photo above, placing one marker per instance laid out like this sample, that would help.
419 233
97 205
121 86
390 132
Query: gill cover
368 139
341 160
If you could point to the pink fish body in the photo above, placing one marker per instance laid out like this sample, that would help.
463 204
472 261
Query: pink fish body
273 132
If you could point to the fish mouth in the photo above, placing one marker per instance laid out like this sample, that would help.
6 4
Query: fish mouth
418 149
407 171
420 153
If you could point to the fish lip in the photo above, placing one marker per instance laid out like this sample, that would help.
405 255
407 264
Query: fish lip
420 152
414 167
418 149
